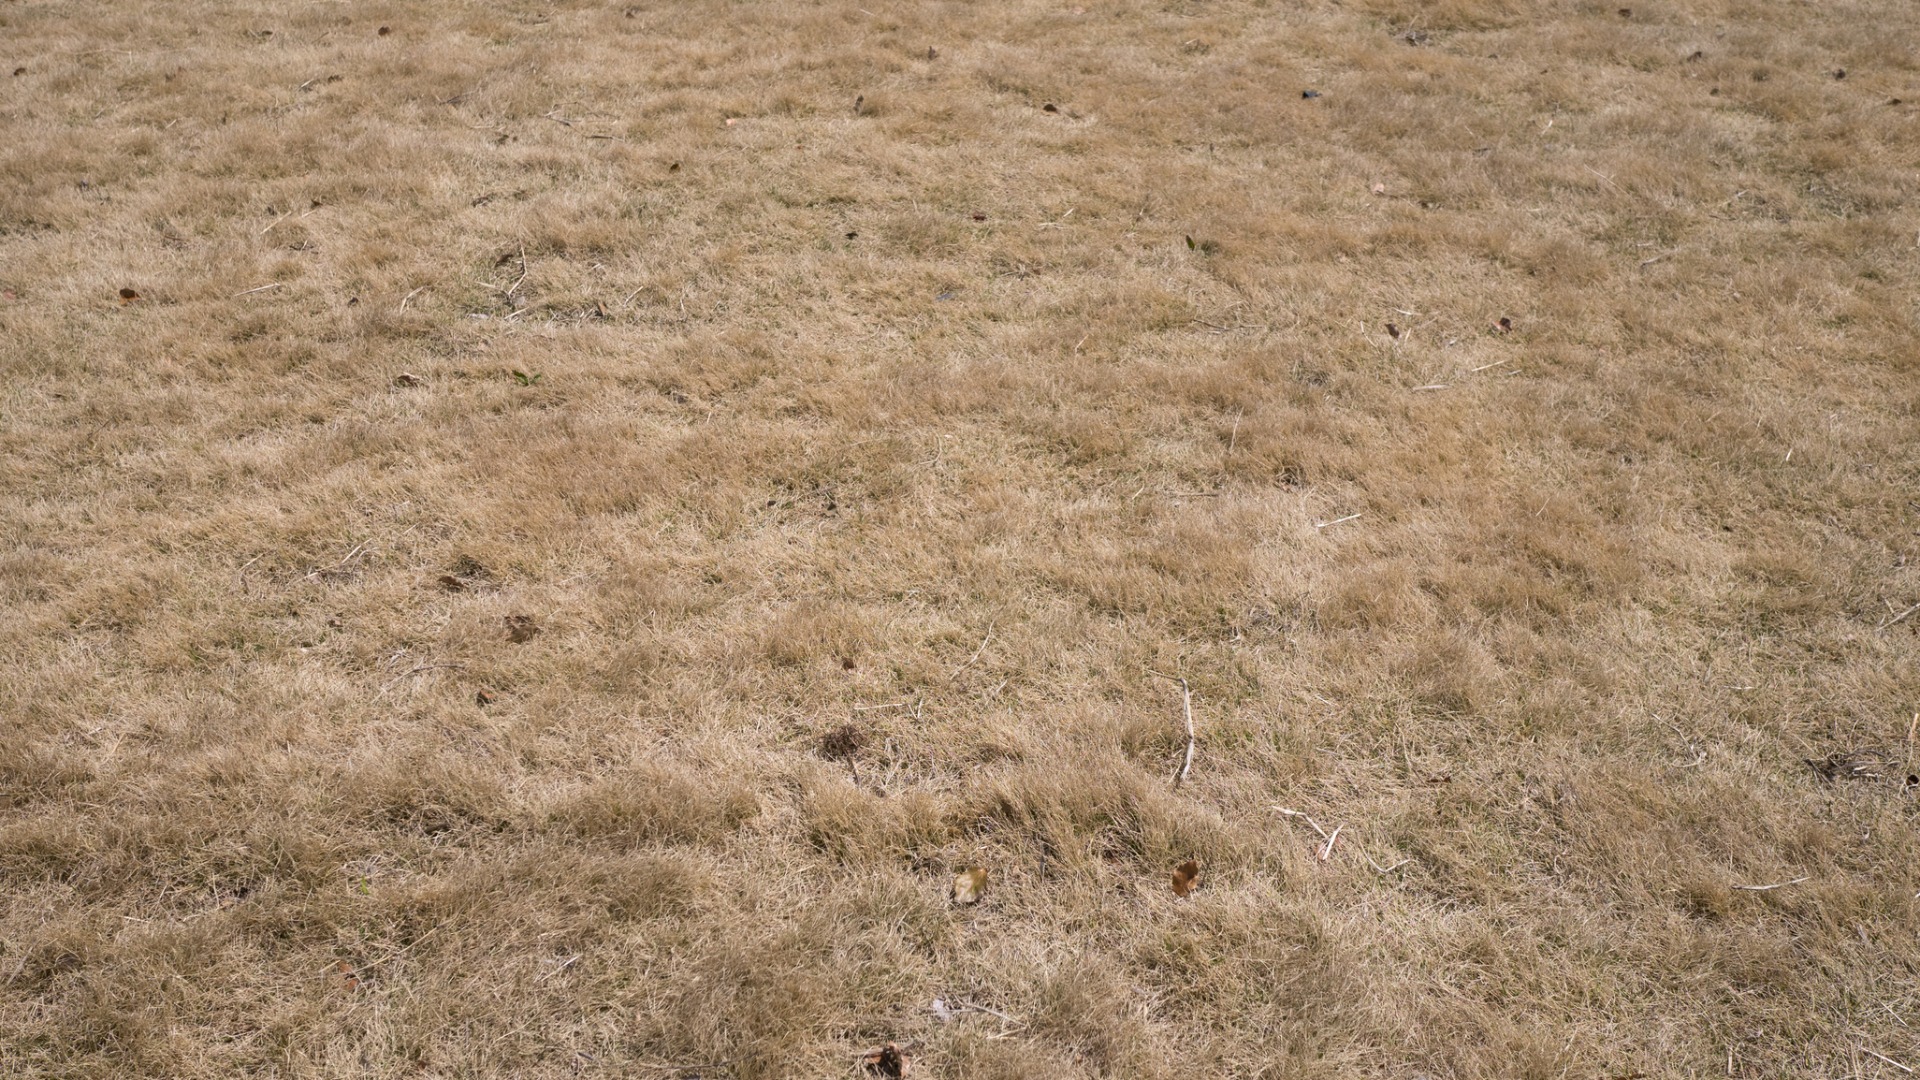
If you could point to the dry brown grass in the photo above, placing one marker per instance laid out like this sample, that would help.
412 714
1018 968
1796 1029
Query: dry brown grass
812 397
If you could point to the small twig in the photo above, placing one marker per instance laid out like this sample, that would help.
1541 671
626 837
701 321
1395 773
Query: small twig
1432 386
968 1005
564 965
1606 178
1644 263
262 288
976 652
523 272
1887 1059
875 708
1186 705
556 119
1336 521
1898 618
1327 852
1302 815
274 222
1769 888
1377 868
404 301
1495 364
410 673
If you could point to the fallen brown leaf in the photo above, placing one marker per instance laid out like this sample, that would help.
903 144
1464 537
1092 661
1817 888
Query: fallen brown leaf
969 884
521 629
1186 877
889 1061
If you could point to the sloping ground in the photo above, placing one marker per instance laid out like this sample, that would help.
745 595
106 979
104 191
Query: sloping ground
437 600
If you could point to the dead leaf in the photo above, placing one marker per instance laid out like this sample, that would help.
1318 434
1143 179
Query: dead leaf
521 629
968 885
1050 107
452 584
385 30
886 1061
408 378
1505 325
1379 189
932 54
1393 331
344 977
483 698
128 296
1186 877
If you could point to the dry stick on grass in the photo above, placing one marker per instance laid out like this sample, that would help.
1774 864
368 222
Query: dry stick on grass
1887 1059
410 673
1336 521
976 653
1186 705
1326 851
261 288
523 273
1900 618
1769 888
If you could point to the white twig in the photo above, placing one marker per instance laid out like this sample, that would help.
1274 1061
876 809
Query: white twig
1495 364
1898 618
1769 888
1186 699
411 673
523 272
262 288
1304 817
1186 704
1336 521
564 965
1326 850
1888 1060
971 1007
976 652
1432 386
1377 868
